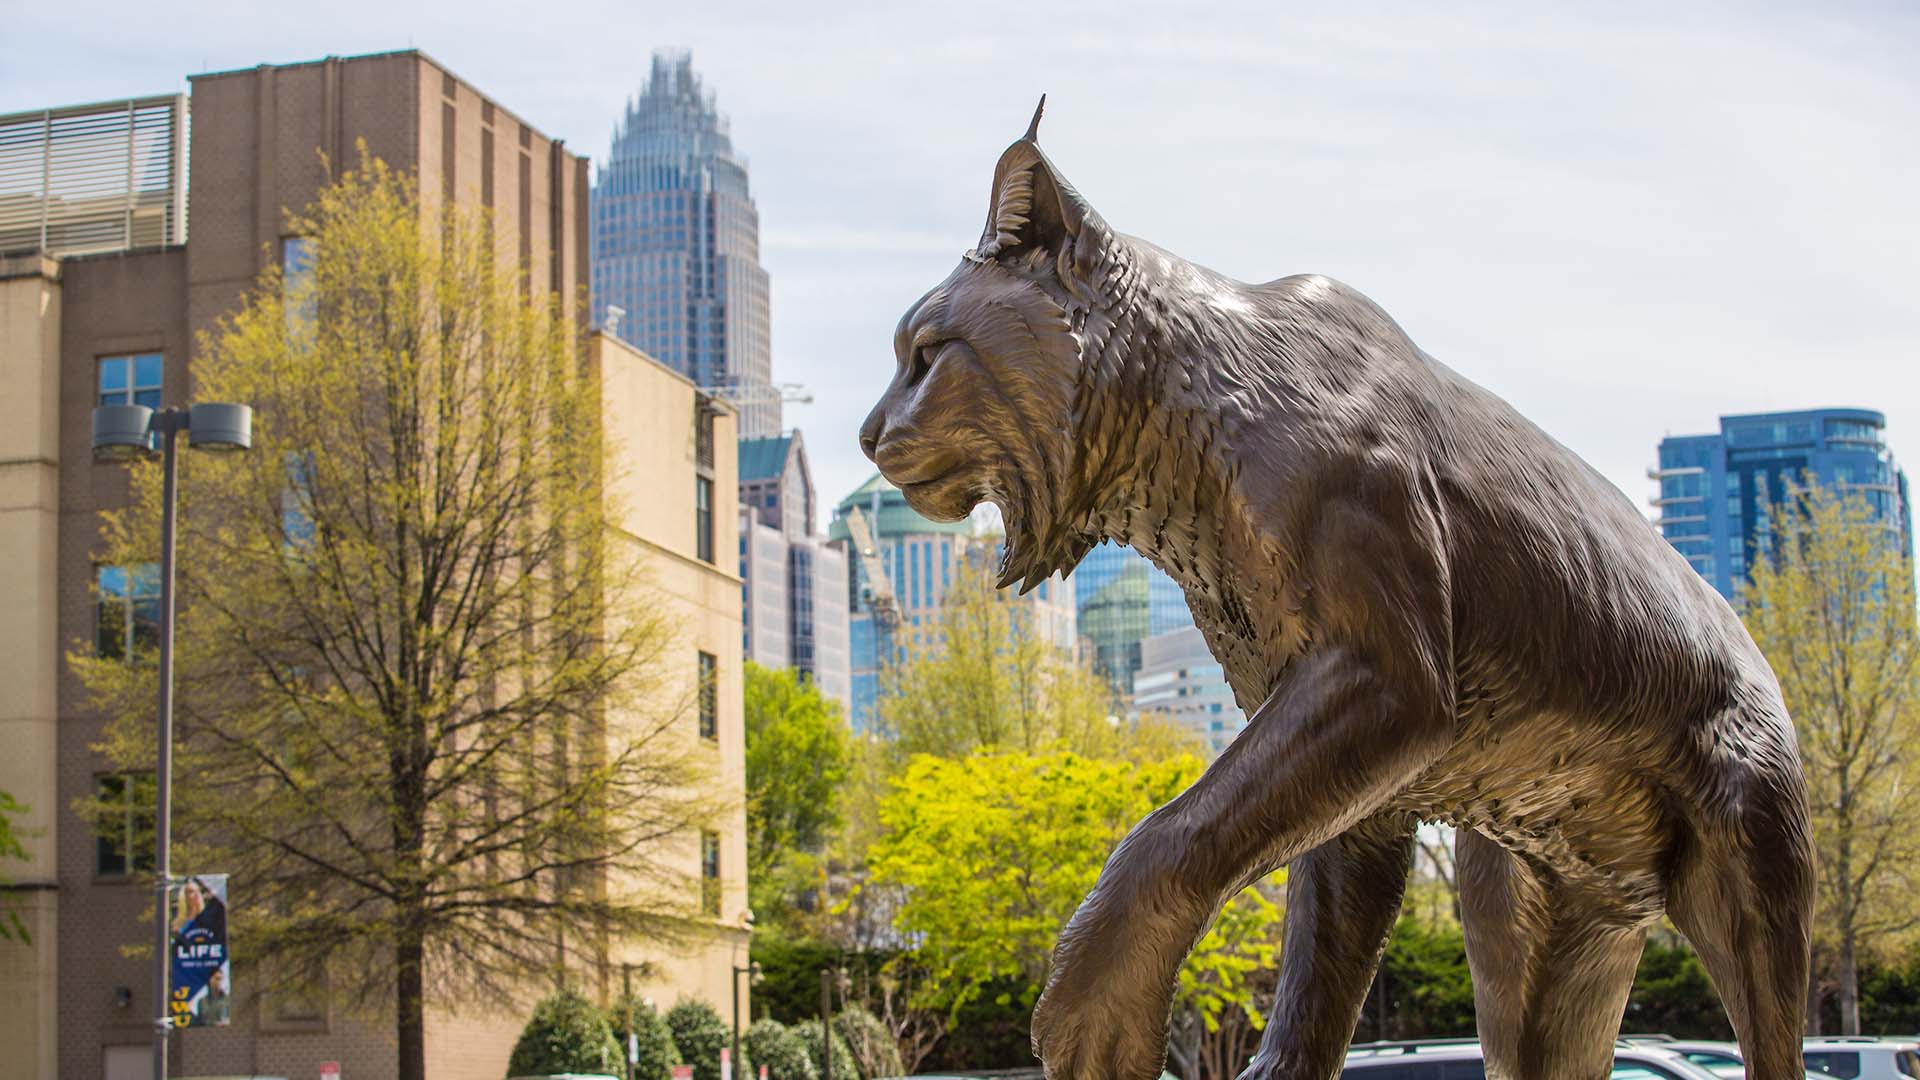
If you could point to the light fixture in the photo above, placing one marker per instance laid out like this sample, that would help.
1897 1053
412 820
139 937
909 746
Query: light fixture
220 427
122 432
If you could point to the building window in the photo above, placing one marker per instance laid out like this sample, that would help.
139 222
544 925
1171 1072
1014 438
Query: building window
710 872
702 433
130 380
123 831
296 502
126 609
296 280
703 518
709 696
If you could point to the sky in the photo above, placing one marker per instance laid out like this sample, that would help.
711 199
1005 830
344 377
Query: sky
1626 219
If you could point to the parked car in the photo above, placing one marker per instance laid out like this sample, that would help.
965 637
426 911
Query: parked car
1858 1057
1461 1059
1721 1057
1834 1057
1718 1057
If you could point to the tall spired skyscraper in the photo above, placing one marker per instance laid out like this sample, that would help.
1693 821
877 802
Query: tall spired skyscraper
676 245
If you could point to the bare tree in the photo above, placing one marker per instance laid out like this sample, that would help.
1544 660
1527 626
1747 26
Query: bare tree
915 1031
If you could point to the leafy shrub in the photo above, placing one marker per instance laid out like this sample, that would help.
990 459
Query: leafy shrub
874 1049
844 1067
772 1044
658 1054
566 1034
700 1035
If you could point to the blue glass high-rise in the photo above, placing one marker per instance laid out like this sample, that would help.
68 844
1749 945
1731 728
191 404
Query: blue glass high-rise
1123 599
676 245
1715 488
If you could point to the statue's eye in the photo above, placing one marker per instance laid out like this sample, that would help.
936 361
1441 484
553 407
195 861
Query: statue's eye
922 361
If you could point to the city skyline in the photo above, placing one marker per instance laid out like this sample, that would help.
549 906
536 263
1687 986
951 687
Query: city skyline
1627 222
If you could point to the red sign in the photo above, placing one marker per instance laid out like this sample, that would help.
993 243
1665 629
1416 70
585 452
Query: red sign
683 1072
329 1070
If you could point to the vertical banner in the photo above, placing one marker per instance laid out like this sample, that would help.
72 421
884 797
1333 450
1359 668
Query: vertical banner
202 983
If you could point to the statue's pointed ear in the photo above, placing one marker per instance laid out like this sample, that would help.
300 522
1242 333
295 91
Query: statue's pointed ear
1033 207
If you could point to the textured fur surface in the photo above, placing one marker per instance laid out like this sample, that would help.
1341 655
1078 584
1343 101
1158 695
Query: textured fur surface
1429 609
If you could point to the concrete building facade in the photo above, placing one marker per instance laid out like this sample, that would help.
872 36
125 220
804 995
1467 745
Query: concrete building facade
794 609
119 324
1180 679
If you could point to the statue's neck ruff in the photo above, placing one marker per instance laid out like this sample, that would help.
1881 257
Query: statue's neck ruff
1170 378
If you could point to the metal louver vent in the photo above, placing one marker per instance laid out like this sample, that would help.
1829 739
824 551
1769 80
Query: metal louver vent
94 178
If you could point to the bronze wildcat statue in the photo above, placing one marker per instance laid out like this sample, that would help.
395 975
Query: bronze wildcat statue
1433 612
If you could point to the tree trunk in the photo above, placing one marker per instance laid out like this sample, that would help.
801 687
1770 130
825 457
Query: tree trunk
1183 1048
1816 994
410 1017
1849 984
1848 961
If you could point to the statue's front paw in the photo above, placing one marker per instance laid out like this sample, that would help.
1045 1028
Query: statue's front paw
1099 1033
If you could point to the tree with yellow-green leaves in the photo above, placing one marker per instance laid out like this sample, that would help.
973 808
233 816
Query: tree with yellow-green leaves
1830 602
799 758
989 854
980 675
11 926
423 713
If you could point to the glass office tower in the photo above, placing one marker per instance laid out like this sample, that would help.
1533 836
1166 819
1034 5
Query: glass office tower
676 245
1123 600
1715 489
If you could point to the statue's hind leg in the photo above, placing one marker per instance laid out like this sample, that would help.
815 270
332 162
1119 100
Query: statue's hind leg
1341 901
1743 896
1551 969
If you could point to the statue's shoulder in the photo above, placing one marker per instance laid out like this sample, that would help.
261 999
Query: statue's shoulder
1318 292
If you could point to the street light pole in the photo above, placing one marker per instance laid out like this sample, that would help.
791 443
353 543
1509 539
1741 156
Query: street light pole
626 995
752 971
826 1024
122 432
169 424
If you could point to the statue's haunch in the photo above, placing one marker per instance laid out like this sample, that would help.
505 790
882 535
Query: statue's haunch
1433 612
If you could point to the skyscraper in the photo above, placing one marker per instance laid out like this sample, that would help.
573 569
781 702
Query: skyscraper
1123 599
1714 488
676 245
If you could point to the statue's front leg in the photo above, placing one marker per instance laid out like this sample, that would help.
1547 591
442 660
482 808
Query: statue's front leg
1342 899
1339 736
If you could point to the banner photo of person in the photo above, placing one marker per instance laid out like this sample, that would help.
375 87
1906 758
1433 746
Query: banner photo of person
202 983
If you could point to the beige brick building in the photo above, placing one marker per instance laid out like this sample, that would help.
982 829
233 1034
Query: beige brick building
104 316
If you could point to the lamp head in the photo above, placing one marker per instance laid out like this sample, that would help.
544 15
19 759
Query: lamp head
220 427
122 432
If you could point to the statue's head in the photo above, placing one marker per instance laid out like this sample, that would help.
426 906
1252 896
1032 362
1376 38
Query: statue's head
988 367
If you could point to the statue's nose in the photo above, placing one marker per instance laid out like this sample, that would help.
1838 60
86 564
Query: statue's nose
870 430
